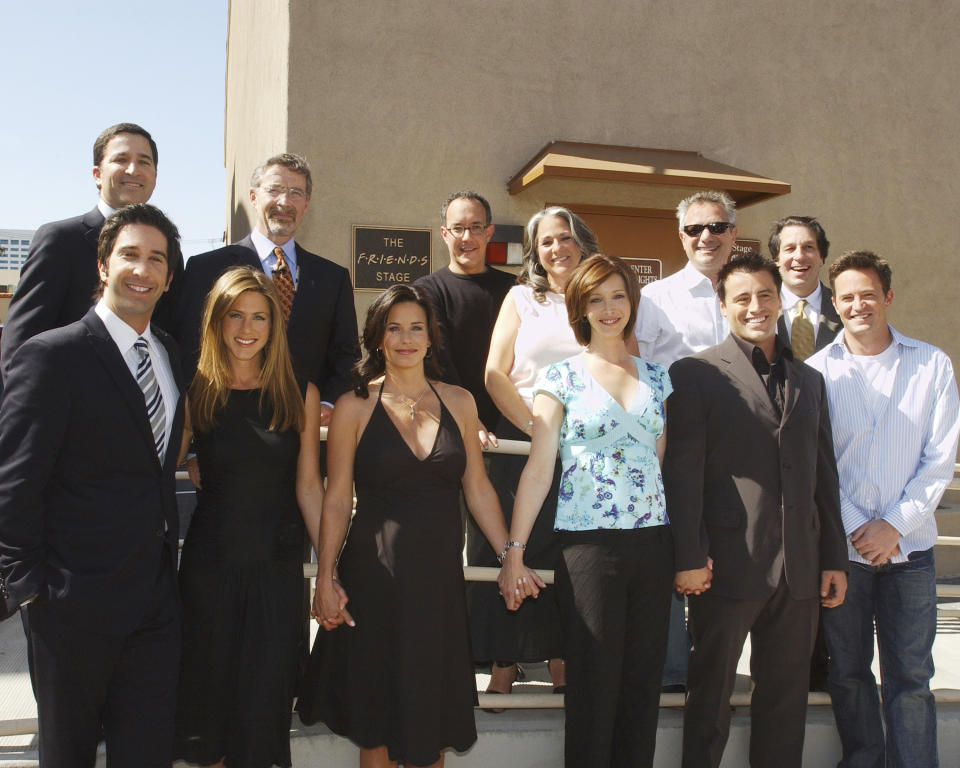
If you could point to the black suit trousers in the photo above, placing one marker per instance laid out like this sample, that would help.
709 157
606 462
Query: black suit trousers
782 630
120 686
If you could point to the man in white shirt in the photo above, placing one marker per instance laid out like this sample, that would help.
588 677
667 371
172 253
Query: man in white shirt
799 246
894 410
680 314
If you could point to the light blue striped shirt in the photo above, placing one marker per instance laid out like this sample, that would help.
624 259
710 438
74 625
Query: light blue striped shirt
897 466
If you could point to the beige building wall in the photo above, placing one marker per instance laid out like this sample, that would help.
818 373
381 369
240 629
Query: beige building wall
398 104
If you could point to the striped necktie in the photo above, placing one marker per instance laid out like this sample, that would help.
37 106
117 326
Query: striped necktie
283 282
151 394
801 333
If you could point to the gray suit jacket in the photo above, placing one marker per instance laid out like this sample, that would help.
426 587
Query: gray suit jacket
757 493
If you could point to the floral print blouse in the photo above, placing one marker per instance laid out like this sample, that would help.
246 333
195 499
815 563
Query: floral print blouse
611 477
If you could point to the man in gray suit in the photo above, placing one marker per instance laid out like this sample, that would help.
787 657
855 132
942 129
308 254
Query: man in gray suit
799 246
753 499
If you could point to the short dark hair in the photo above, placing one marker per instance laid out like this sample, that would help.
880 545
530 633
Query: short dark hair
289 160
100 145
588 275
375 328
863 260
811 223
466 194
141 213
748 261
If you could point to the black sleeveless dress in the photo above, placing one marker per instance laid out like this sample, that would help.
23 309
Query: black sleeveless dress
241 579
403 676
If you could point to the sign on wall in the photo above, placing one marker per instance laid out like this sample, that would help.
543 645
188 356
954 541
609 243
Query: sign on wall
385 256
646 270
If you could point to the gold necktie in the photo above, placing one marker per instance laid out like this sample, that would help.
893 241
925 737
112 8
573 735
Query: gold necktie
284 284
801 333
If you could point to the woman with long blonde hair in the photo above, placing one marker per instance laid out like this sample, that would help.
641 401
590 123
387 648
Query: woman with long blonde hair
256 433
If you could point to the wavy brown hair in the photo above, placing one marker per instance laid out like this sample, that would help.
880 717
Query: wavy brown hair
375 327
210 388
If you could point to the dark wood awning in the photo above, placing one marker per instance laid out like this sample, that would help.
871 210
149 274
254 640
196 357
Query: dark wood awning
635 165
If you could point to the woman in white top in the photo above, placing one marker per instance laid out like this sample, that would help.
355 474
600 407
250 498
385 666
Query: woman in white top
531 332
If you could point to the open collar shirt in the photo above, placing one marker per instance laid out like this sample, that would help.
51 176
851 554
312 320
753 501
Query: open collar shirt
895 445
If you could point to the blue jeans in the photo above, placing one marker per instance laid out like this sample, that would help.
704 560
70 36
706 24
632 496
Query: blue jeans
902 598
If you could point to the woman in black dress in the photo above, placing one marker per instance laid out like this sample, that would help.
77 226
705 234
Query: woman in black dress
393 671
256 433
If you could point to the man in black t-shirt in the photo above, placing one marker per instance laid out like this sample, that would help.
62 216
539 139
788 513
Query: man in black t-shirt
467 296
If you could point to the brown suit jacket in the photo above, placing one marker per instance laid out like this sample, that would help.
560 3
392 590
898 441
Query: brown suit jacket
757 493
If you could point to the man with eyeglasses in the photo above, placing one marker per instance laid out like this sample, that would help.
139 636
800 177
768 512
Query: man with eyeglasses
322 321
679 316
467 295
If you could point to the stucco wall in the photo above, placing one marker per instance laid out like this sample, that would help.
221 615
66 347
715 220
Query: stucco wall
396 105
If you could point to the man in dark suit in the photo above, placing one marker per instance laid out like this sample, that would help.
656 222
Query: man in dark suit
322 326
751 486
808 321
90 427
59 277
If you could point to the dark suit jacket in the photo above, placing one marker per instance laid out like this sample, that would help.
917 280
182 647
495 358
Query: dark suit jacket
757 493
322 331
86 509
58 280
828 327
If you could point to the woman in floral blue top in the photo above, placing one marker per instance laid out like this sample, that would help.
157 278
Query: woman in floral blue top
604 409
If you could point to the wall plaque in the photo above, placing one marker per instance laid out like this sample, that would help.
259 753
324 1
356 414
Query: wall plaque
646 270
385 256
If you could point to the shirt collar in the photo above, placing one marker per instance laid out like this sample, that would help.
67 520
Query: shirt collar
105 209
693 279
122 334
268 259
837 348
780 350
789 299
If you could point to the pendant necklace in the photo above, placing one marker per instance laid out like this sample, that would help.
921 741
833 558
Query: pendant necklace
412 404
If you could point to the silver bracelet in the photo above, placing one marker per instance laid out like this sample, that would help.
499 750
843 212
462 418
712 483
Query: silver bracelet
507 546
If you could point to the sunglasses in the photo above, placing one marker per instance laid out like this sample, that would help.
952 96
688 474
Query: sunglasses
715 227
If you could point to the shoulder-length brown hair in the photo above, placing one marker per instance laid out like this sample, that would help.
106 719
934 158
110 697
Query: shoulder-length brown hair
586 278
211 384
375 327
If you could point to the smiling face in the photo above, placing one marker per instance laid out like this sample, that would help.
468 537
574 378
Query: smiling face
281 202
751 305
557 251
608 309
246 326
862 305
707 252
135 275
799 259
127 174
405 338
467 252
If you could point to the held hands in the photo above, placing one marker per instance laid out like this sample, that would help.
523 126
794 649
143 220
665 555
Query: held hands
329 605
876 541
696 581
326 413
516 581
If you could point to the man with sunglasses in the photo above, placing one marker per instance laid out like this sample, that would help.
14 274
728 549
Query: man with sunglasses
680 315
677 317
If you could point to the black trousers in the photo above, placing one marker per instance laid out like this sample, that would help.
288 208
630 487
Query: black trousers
614 592
122 687
782 632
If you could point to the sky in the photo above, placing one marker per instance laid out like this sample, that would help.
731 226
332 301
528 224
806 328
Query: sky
70 68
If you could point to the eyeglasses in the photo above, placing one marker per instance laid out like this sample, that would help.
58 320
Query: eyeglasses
294 194
475 229
715 227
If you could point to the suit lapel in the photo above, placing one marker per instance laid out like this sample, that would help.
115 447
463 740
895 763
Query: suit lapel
829 325
131 394
740 368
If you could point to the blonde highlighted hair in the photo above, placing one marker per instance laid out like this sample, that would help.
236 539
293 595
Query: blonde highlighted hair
211 384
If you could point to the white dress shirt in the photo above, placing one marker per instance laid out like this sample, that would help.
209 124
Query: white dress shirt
788 301
124 337
677 316
895 426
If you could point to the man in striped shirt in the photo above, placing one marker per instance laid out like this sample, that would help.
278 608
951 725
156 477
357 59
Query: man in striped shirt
894 411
